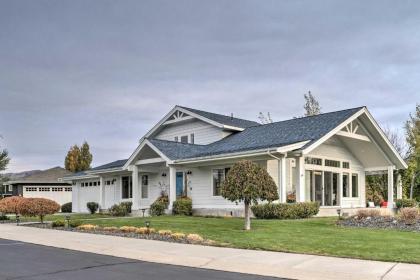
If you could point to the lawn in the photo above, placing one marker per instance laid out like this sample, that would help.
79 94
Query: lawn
312 236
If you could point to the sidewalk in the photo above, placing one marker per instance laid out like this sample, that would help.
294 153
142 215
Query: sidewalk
287 265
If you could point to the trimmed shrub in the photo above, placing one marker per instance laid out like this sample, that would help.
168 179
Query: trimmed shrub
118 210
87 227
92 206
3 217
409 215
157 208
401 203
128 229
75 223
110 229
164 232
66 207
127 205
10 205
38 207
300 210
194 238
364 213
182 206
58 223
178 235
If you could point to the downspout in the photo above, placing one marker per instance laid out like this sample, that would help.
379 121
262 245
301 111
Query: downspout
279 175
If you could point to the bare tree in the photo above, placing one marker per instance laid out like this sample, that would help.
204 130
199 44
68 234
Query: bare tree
265 119
397 140
311 106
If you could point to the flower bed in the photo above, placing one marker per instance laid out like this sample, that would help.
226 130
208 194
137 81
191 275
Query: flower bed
134 232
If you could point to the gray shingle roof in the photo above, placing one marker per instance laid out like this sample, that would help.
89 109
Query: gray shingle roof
260 137
114 164
223 119
49 176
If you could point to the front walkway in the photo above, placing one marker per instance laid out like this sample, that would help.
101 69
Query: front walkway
287 265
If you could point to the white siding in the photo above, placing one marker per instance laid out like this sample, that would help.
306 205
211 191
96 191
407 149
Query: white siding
204 133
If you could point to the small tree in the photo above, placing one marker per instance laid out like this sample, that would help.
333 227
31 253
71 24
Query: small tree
78 159
10 205
85 158
248 182
40 207
311 106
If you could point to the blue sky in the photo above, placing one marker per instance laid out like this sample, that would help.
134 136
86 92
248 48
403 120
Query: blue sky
106 71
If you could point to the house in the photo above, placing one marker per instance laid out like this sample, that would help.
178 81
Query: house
44 184
322 158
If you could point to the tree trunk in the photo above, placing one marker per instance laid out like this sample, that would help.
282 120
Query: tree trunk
247 217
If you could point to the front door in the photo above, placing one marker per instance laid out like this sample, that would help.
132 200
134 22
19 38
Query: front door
179 183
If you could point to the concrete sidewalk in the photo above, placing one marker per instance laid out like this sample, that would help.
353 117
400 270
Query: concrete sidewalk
286 265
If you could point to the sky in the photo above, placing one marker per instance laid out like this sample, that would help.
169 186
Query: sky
107 71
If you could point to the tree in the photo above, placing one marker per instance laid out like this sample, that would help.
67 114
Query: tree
10 205
265 119
396 140
248 182
78 159
412 133
40 207
311 106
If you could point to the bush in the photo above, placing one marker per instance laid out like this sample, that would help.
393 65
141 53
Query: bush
58 223
10 205
118 210
75 223
66 207
364 213
157 208
38 207
300 210
127 205
93 207
3 217
87 227
409 215
182 206
401 203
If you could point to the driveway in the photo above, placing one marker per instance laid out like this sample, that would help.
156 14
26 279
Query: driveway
19 260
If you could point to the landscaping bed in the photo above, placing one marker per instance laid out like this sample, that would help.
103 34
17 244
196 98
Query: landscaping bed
380 223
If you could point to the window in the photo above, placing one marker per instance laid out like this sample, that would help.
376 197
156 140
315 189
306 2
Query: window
346 186
68 189
315 161
184 139
332 163
30 189
346 164
144 186
218 178
10 188
57 189
192 138
42 189
127 187
354 185
94 184
176 139
108 182
90 184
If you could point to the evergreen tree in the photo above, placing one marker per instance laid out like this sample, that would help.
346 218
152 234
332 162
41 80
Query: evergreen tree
71 163
311 106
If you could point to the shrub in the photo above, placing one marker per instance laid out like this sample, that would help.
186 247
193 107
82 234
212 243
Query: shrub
409 215
157 208
75 223
93 207
164 232
182 206
3 217
145 230
300 210
194 238
110 229
58 223
10 205
128 229
66 207
118 210
364 213
87 227
178 235
401 203
127 205
38 207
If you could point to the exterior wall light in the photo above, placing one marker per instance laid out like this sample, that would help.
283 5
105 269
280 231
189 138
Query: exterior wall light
163 174
189 172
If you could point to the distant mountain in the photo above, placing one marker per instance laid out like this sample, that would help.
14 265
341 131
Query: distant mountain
19 175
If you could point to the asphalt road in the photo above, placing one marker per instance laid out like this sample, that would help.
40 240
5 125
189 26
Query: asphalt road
20 260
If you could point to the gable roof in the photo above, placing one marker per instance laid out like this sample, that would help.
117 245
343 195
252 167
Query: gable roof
266 136
114 164
223 119
49 176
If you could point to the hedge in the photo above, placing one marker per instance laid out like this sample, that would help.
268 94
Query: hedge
182 206
299 210
402 203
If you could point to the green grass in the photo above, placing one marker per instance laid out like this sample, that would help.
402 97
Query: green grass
319 236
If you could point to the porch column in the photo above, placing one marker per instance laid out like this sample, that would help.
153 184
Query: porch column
300 184
135 182
390 187
101 193
172 186
282 179
399 186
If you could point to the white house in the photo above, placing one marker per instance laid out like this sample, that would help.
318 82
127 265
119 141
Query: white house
320 158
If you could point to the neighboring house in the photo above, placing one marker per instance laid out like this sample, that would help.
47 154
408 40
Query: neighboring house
320 158
45 184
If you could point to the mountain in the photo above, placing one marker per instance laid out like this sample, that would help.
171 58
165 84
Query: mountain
19 175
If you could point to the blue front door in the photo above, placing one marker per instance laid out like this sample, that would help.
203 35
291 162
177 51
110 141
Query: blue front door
179 183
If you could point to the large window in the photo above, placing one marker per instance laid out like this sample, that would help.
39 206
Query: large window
346 185
354 185
184 139
127 187
332 163
315 161
218 178
144 186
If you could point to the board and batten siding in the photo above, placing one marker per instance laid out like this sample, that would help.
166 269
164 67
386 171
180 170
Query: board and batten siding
204 133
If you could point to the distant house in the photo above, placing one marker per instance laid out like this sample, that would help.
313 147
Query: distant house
322 158
45 184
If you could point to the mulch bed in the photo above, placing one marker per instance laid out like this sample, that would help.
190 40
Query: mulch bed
380 223
151 236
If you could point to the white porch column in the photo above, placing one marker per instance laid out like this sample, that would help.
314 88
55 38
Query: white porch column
399 186
282 179
390 186
172 186
135 182
101 193
300 185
